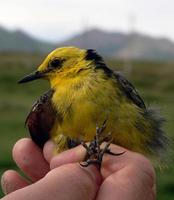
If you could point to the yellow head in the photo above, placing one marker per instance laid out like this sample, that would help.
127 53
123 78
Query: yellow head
65 62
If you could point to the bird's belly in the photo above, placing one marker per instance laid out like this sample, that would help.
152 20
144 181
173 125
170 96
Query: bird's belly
80 124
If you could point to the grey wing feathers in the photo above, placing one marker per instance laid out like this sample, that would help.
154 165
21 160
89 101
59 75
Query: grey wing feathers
159 141
129 90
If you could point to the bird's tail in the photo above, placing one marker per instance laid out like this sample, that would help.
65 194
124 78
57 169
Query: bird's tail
160 143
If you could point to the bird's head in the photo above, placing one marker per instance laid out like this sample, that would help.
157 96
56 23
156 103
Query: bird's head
65 62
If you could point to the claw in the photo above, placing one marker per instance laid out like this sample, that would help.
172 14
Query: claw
94 153
84 145
108 151
89 162
84 164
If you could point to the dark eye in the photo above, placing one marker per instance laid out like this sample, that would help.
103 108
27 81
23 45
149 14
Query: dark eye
56 63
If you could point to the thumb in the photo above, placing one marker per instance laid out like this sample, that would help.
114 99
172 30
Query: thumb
70 181
76 182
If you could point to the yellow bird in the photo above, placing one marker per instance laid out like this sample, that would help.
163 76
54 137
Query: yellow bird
85 93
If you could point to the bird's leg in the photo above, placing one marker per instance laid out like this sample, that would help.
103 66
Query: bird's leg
94 153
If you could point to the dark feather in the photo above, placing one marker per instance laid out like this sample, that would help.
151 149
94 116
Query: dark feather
125 86
72 143
129 90
99 62
159 140
91 54
41 119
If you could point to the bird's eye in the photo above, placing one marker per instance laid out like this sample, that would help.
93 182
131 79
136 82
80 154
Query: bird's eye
56 63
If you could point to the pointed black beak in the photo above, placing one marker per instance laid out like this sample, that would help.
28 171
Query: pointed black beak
31 77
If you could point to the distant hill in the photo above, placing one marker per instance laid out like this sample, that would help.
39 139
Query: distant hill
20 41
124 46
109 44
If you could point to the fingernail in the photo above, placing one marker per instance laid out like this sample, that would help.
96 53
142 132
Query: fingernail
4 185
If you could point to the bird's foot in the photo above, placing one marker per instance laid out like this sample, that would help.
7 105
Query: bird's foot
94 153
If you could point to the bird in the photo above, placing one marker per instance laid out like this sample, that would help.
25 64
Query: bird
89 102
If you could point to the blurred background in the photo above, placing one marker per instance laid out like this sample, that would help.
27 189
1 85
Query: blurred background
136 38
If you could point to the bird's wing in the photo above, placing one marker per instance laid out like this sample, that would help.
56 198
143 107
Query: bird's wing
129 90
41 119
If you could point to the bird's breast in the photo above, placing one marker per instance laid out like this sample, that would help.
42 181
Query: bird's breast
83 107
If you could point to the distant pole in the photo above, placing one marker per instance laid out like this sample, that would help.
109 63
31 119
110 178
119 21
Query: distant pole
131 42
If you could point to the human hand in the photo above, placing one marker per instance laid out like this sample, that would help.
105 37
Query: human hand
70 181
128 177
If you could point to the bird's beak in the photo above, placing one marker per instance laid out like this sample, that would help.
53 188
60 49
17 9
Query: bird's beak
31 77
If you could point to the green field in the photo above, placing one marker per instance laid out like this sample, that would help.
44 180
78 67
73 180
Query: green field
154 80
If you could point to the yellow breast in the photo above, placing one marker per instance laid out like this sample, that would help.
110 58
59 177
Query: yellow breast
86 103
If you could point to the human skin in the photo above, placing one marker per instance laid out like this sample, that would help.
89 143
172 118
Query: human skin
129 176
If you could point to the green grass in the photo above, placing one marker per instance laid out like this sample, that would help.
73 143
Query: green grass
154 81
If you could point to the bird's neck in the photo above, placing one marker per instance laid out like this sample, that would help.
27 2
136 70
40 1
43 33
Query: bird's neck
68 90
71 80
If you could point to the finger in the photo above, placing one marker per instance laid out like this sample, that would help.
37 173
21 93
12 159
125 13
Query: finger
75 180
49 150
66 182
29 157
78 153
12 181
73 155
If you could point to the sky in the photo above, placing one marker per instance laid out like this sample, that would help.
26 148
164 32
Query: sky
56 20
